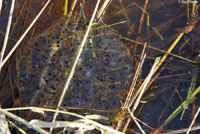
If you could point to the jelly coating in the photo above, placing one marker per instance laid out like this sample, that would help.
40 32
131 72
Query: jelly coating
103 73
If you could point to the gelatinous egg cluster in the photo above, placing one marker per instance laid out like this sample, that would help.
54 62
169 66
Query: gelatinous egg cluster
102 75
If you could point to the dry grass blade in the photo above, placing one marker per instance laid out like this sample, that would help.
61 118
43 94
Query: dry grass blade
110 25
168 51
82 125
73 6
85 118
14 117
136 122
76 60
160 50
23 35
189 129
41 110
127 103
65 9
1 2
102 127
62 124
141 22
139 67
183 130
103 9
145 83
3 124
7 30
141 91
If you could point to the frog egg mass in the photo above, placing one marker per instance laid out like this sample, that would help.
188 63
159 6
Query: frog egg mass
102 74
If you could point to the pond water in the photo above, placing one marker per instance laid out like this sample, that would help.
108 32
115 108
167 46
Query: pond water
169 89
